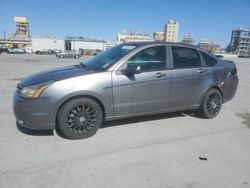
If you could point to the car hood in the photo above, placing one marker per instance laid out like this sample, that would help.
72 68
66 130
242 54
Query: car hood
55 75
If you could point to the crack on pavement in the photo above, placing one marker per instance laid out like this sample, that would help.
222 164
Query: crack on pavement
245 117
33 167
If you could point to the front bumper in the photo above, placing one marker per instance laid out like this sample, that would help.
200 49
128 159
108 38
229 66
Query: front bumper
36 114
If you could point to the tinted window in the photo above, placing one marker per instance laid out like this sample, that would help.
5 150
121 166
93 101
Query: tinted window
149 59
106 59
185 57
210 61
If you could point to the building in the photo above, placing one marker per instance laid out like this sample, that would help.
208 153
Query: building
203 43
128 36
22 31
171 31
188 38
67 44
158 36
21 37
40 43
240 42
213 47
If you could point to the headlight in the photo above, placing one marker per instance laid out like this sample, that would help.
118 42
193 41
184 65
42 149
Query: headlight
34 91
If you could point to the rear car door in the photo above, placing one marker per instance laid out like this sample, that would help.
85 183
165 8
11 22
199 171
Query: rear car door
147 91
189 77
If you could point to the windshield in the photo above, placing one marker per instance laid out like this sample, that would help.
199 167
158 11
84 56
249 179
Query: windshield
106 59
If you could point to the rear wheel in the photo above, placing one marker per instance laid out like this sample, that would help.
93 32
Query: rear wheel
79 118
211 104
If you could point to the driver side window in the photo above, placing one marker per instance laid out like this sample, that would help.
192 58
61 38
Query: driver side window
149 59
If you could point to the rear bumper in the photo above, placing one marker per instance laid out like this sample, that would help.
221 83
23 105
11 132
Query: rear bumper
229 88
36 114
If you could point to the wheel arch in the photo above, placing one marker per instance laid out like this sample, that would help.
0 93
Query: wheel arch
98 101
211 87
219 89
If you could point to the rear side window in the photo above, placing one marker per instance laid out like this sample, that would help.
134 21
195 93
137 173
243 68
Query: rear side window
210 61
185 57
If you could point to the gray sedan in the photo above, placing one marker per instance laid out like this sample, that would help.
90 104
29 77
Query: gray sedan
132 79
68 54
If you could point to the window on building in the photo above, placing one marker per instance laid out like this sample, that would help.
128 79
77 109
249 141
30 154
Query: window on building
185 57
150 59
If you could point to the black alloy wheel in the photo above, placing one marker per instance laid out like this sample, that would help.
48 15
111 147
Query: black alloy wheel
79 118
214 104
211 104
82 118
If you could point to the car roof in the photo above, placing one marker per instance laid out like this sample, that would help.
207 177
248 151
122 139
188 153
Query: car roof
145 43
158 42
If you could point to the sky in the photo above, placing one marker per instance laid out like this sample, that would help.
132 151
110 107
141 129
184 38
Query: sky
210 19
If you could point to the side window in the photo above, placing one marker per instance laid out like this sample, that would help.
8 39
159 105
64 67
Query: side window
185 57
150 59
210 61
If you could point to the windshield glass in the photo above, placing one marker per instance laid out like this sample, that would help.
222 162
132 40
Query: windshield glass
106 59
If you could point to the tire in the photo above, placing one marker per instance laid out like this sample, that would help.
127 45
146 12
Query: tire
79 118
211 104
61 56
76 56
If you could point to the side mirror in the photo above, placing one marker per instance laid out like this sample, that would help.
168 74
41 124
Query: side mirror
132 69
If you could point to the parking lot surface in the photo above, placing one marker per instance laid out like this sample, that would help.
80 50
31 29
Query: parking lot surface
167 150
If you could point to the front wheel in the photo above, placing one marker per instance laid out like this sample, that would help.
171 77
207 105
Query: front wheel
211 104
79 118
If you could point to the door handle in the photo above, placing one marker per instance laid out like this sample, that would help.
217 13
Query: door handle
201 70
159 75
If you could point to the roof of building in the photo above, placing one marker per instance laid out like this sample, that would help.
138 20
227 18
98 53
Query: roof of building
71 38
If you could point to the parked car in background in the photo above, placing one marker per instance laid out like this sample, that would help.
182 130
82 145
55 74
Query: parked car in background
244 54
88 52
96 52
45 52
16 51
28 51
3 49
219 56
69 54
56 51
128 80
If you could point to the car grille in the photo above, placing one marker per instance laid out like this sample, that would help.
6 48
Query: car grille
19 88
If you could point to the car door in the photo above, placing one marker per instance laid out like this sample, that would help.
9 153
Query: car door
189 77
144 92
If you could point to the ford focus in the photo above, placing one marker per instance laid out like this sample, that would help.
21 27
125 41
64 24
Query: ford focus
128 80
